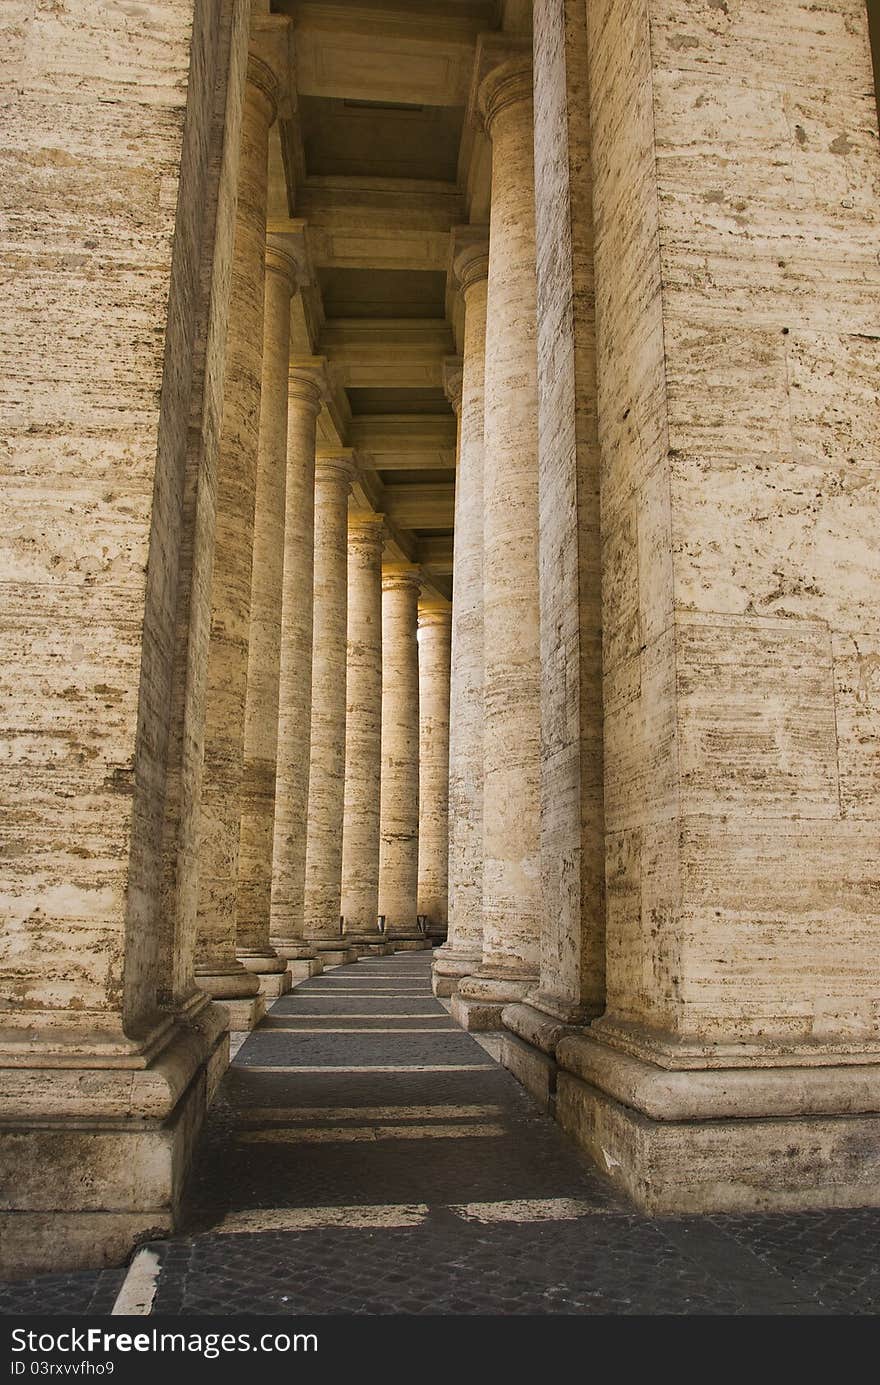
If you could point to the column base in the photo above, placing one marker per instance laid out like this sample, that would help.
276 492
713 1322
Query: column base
302 962
270 970
724 1140
334 953
368 944
479 1000
408 942
449 968
528 1049
98 1156
244 1014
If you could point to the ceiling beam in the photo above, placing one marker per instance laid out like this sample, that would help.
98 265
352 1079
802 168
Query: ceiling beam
400 353
404 442
420 507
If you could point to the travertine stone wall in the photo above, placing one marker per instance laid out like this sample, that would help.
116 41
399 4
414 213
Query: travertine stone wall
738 290
108 351
462 952
572 818
434 639
399 800
323 872
511 783
217 969
93 462
264 650
363 725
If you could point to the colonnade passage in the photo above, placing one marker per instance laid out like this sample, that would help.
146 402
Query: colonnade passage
441 473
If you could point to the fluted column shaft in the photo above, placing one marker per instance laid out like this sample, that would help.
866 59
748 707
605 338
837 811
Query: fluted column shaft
217 969
323 877
512 713
434 640
399 800
264 653
295 683
461 954
363 726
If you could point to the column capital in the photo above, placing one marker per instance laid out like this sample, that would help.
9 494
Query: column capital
434 614
452 377
401 577
366 526
279 262
308 381
506 76
469 256
336 464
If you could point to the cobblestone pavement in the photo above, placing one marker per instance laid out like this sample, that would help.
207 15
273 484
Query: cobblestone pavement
367 1156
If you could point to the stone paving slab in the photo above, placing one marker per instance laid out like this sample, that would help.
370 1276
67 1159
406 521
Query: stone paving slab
424 1180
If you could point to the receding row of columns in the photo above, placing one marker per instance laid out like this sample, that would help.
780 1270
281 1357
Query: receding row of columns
312 794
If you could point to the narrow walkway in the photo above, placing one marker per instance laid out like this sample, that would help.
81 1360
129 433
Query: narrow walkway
365 1155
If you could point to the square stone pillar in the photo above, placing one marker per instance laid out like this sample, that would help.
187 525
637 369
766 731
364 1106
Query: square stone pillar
113 372
736 166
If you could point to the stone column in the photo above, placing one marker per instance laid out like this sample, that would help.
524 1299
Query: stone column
306 387
399 801
112 370
572 978
253 948
435 631
363 729
218 970
511 782
461 954
323 876
737 1065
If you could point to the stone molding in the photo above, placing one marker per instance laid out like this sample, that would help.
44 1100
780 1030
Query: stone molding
452 379
663 1094
340 464
308 381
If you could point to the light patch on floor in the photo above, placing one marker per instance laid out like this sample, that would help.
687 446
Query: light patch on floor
308 1015
365 1113
491 1043
358 1134
358 1067
135 1298
301 1029
320 1218
525 1210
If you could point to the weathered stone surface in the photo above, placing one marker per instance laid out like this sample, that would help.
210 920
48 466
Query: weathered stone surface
733 294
